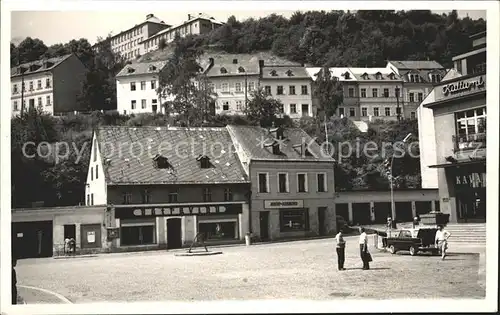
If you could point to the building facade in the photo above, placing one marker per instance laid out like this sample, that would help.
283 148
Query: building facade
52 85
163 186
458 152
194 25
137 88
418 80
292 184
128 43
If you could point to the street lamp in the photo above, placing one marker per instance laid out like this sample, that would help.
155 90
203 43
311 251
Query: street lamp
393 209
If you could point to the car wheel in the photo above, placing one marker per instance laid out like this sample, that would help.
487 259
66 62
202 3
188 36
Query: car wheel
392 249
413 251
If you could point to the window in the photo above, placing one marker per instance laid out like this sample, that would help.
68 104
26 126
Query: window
31 85
267 89
305 109
173 196
351 92
211 87
388 111
146 196
413 115
283 183
48 100
363 92
24 87
263 182
239 105
219 230
88 200
398 110
132 104
352 111
471 127
386 92
95 150
303 89
375 92
293 108
127 197
39 84
207 194
251 86
321 179
225 87
153 85
238 87
375 112
225 105
39 101
294 220
132 86
302 182
420 97
412 97
281 108
14 90
341 111
92 199
134 234
279 90
228 194
91 173
15 105
143 104
364 111
291 89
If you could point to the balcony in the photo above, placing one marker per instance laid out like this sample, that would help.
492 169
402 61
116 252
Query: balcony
469 142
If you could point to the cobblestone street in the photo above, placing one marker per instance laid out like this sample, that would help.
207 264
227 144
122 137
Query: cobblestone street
292 270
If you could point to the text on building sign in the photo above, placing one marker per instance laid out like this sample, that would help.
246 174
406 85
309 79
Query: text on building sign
283 203
462 86
179 211
473 180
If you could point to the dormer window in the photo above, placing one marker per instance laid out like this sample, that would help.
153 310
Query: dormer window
241 70
223 70
435 78
414 78
277 133
391 76
21 70
48 64
365 76
302 149
34 67
274 73
204 161
275 147
289 73
130 70
346 75
378 76
152 68
235 61
161 162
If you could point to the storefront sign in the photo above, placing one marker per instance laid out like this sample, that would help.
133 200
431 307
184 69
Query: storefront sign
463 86
176 211
20 234
91 237
283 204
473 180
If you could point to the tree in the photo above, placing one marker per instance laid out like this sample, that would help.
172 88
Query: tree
328 91
30 50
262 108
162 44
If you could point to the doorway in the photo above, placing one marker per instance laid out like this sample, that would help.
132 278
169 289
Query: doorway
174 233
264 225
32 239
382 212
472 206
321 220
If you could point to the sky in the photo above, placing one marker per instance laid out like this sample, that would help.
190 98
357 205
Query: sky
54 27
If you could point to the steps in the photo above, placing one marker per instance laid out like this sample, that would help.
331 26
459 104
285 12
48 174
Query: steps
467 233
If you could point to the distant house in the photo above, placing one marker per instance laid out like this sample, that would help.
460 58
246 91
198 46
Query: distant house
52 85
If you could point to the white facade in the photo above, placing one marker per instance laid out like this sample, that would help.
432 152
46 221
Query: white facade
230 93
296 95
38 92
138 94
95 188
427 144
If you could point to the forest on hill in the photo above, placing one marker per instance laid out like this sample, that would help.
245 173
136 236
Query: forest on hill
334 38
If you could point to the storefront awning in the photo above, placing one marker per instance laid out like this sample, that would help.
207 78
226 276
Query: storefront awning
457 164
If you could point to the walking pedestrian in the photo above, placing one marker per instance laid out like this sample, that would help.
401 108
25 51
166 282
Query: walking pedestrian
442 240
363 248
340 249
14 280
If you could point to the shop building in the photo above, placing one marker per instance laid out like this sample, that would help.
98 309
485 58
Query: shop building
164 185
292 182
453 153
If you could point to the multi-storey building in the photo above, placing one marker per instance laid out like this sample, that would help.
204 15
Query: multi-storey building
291 85
128 43
52 84
137 88
164 185
452 136
194 25
292 182
418 80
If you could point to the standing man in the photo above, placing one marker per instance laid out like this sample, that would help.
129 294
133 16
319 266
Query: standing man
340 250
363 248
442 240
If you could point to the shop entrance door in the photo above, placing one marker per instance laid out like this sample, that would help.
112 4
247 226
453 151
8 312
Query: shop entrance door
321 220
174 233
264 225
472 206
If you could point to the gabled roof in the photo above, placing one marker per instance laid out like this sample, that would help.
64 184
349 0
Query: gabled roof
370 74
140 68
181 146
416 64
249 62
337 72
284 72
425 75
41 63
252 140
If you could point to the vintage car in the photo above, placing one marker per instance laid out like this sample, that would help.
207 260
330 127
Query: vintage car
413 240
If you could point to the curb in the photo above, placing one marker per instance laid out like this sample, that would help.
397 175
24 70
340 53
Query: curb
73 257
197 254
59 296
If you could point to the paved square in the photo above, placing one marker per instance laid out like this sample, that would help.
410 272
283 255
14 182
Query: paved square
292 270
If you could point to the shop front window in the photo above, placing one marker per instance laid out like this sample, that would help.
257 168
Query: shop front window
471 129
137 235
218 230
294 220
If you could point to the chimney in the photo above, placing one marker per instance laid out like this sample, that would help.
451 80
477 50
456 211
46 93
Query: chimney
261 65
189 16
150 15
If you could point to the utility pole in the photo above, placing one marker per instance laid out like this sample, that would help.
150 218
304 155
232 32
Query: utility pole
398 112
246 92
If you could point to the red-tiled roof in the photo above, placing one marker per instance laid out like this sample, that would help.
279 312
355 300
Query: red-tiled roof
181 146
